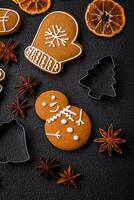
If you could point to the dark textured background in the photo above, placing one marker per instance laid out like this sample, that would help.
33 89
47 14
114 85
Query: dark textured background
102 178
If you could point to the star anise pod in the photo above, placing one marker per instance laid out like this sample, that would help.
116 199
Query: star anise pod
110 140
28 86
7 52
68 177
47 167
19 107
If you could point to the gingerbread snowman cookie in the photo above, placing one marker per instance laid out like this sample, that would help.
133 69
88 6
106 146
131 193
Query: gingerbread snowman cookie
67 127
54 43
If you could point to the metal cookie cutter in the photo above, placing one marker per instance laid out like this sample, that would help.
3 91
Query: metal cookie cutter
100 79
13 147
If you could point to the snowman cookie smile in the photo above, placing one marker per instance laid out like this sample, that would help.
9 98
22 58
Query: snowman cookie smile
53 105
67 127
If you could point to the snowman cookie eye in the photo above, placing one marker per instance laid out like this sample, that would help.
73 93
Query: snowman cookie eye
44 104
70 130
53 97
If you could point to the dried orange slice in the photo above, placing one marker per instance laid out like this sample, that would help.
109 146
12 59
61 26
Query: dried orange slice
18 1
34 7
15 1
105 18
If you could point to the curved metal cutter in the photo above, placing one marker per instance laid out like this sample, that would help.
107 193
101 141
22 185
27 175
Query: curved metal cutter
100 79
13 147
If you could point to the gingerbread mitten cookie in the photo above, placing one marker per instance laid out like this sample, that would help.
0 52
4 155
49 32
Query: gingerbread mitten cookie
66 127
9 21
54 43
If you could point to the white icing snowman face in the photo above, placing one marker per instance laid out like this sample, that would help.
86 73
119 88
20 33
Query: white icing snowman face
50 103
53 106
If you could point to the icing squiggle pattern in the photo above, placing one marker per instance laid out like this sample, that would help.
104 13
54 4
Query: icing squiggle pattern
42 60
65 112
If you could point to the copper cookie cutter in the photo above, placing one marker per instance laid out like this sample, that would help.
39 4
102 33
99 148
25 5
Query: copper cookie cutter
2 77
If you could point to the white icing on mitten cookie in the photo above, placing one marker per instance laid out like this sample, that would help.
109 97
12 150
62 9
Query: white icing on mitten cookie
54 43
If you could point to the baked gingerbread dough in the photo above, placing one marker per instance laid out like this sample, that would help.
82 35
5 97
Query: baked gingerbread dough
9 21
54 43
67 127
